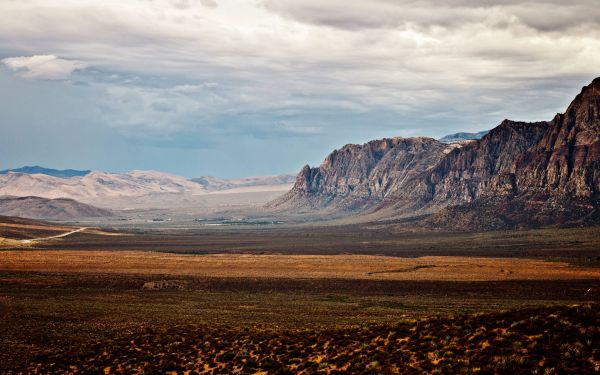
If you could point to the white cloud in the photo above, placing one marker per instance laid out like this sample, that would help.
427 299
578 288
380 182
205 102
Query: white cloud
48 67
297 58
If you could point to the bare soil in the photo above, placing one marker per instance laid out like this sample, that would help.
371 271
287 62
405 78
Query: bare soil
301 300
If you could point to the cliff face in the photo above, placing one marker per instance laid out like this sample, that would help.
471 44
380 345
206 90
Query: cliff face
483 168
519 173
359 176
566 161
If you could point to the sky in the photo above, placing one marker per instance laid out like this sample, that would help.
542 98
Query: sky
235 88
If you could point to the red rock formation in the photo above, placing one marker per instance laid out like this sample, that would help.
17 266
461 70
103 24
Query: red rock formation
518 174
356 177
566 161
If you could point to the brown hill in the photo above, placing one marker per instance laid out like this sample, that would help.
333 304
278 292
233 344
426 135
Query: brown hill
51 209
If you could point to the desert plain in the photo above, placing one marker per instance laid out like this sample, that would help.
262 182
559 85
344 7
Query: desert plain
296 299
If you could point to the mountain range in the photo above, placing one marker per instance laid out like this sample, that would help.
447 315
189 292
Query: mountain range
96 186
64 173
49 196
517 174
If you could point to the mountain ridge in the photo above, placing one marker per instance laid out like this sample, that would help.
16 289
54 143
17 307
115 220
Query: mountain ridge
547 169
36 169
96 185
353 176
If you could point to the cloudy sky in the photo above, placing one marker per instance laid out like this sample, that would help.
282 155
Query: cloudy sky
256 87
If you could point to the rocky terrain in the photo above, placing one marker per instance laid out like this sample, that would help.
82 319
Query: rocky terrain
518 174
356 176
553 340
54 209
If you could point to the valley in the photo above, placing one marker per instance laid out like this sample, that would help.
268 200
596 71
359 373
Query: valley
401 255
150 299
281 187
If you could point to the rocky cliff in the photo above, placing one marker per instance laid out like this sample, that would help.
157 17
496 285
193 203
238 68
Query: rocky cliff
357 177
566 161
517 174
485 167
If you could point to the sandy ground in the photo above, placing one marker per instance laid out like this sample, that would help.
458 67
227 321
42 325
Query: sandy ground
293 266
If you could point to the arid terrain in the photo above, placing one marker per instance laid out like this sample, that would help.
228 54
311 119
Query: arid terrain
354 267
297 299
277 187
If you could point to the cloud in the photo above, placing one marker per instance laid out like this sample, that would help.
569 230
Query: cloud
365 14
187 4
48 67
271 70
209 3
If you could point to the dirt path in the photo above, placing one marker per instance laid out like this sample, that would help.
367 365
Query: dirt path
56 236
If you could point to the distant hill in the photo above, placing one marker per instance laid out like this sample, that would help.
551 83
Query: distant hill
36 169
51 209
96 186
457 137
216 184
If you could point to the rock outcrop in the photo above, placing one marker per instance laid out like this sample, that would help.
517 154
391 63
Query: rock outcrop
356 177
518 174
566 161
483 168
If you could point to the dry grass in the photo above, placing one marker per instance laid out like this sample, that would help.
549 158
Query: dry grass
432 268
562 340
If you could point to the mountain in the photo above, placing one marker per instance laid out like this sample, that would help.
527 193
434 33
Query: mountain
518 174
357 176
458 137
65 173
217 184
96 186
147 189
553 179
52 209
